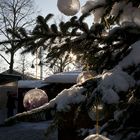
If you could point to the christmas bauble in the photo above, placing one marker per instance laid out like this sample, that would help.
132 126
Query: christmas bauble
68 7
34 98
92 112
85 75
96 137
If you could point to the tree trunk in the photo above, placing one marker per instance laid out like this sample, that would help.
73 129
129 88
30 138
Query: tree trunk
11 63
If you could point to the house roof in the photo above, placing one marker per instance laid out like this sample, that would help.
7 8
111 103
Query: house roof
64 77
7 78
31 83
24 76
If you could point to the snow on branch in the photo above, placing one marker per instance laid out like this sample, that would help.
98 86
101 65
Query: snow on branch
133 58
96 7
116 80
67 97
129 15
113 82
91 4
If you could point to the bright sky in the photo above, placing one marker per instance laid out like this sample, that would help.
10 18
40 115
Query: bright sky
50 6
47 6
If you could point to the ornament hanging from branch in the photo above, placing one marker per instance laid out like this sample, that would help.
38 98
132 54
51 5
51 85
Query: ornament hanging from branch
34 98
96 137
68 7
97 114
84 76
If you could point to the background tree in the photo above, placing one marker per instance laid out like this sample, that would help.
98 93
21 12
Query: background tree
51 38
23 66
14 14
65 62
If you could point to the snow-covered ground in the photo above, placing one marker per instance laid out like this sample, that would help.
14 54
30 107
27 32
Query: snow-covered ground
26 131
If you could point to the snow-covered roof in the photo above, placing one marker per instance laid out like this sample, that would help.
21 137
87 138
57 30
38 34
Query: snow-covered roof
31 83
64 77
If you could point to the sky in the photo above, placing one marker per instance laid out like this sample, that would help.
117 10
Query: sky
50 6
47 6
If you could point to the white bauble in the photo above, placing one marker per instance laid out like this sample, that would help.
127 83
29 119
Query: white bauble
96 137
68 7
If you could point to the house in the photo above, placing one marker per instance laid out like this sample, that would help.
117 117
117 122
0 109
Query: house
8 84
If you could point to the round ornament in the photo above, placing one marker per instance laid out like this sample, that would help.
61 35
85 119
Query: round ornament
93 112
96 137
68 7
34 98
84 76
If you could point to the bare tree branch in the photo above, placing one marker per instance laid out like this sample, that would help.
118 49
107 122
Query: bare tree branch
4 59
13 15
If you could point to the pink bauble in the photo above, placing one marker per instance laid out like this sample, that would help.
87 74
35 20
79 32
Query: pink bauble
34 98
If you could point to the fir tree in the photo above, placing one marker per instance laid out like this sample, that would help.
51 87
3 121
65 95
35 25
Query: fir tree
110 47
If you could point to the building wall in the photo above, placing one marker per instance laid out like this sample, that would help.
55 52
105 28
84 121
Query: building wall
12 87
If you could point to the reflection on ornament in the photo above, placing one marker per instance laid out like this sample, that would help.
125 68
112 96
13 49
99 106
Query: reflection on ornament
93 110
68 7
85 75
34 98
96 137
